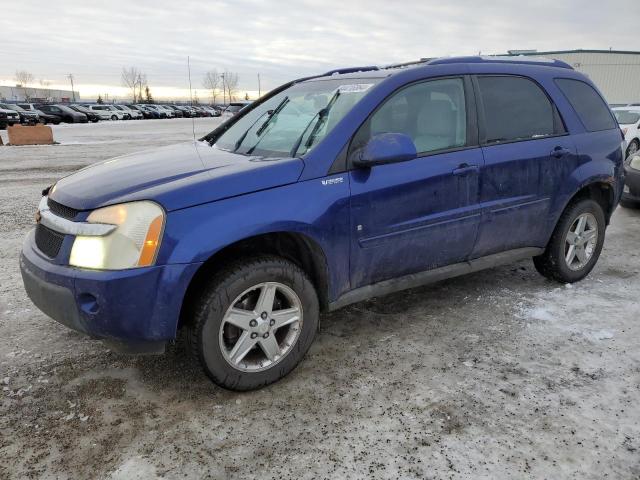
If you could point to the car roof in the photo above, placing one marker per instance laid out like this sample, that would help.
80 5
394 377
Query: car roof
393 69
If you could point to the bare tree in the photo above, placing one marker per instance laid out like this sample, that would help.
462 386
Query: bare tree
230 81
45 83
130 78
211 81
23 78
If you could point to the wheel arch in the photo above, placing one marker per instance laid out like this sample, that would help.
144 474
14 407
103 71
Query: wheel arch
599 189
296 247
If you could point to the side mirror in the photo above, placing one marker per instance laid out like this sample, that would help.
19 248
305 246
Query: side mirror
385 148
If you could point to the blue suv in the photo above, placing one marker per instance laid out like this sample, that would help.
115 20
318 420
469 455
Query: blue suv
327 191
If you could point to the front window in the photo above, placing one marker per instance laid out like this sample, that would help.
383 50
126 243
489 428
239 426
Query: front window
432 113
295 120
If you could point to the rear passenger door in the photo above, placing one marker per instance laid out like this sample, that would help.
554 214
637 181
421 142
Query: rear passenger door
421 214
525 149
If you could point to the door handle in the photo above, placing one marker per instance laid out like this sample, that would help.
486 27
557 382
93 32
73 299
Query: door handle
465 169
559 152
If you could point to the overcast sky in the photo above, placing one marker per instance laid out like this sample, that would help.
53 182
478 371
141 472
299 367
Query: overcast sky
283 39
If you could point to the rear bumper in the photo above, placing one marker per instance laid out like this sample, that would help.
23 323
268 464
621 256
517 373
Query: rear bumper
135 310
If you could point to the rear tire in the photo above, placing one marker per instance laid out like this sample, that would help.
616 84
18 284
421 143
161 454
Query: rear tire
114 117
241 342
576 243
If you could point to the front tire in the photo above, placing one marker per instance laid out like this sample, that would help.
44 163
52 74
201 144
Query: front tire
633 147
254 322
576 243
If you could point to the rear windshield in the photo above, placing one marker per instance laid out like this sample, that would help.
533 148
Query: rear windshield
626 117
594 113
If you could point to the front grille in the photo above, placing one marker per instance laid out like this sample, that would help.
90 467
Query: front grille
61 210
48 241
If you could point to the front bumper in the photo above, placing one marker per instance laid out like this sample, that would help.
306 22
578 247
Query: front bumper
10 121
631 192
135 311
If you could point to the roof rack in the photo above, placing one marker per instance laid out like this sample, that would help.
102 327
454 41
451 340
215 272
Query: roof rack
518 59
342 71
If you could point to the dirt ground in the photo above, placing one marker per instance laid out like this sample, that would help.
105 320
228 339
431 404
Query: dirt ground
500 374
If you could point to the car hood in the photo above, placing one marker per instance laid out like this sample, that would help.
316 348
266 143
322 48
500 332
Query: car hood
177 176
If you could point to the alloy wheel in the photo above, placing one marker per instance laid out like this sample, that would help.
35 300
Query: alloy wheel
580 241
261 327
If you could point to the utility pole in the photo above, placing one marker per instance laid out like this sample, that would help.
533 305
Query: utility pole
73 93
224 91
259 91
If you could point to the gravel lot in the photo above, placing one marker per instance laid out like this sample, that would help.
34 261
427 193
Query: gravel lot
500 374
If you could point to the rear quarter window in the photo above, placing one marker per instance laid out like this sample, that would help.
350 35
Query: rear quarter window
588 104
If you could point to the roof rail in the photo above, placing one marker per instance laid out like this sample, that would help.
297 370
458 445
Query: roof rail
519 59
340 71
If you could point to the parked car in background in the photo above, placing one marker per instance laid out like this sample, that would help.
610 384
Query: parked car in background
91 115
169 111
201 111
629 120
187 112
328 191
178 113
213 111
125 113
162 113
144 113
129 114
45 118
234 108
27 117
631 193
103 111
8 117
65 113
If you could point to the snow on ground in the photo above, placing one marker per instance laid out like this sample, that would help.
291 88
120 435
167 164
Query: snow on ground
499 374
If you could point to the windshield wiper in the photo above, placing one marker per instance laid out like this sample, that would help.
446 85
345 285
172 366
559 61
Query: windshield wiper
244 135
271 114
269 121
321 115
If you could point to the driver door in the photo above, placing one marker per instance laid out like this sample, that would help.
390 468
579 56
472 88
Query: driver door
424 213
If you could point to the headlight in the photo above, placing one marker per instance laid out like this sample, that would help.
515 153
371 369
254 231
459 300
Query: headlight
634 162
134 243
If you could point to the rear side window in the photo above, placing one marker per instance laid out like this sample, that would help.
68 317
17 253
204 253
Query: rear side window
516 108
590 107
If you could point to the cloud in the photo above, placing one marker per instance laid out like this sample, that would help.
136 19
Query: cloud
286 39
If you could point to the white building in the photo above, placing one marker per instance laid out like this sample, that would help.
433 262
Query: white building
22 94
615 72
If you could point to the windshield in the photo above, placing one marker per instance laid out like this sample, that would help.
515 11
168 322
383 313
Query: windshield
626 117
295 120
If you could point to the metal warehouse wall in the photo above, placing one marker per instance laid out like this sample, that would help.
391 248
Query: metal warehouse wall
616 74
20 94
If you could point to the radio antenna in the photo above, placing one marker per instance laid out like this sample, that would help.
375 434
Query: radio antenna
193 122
